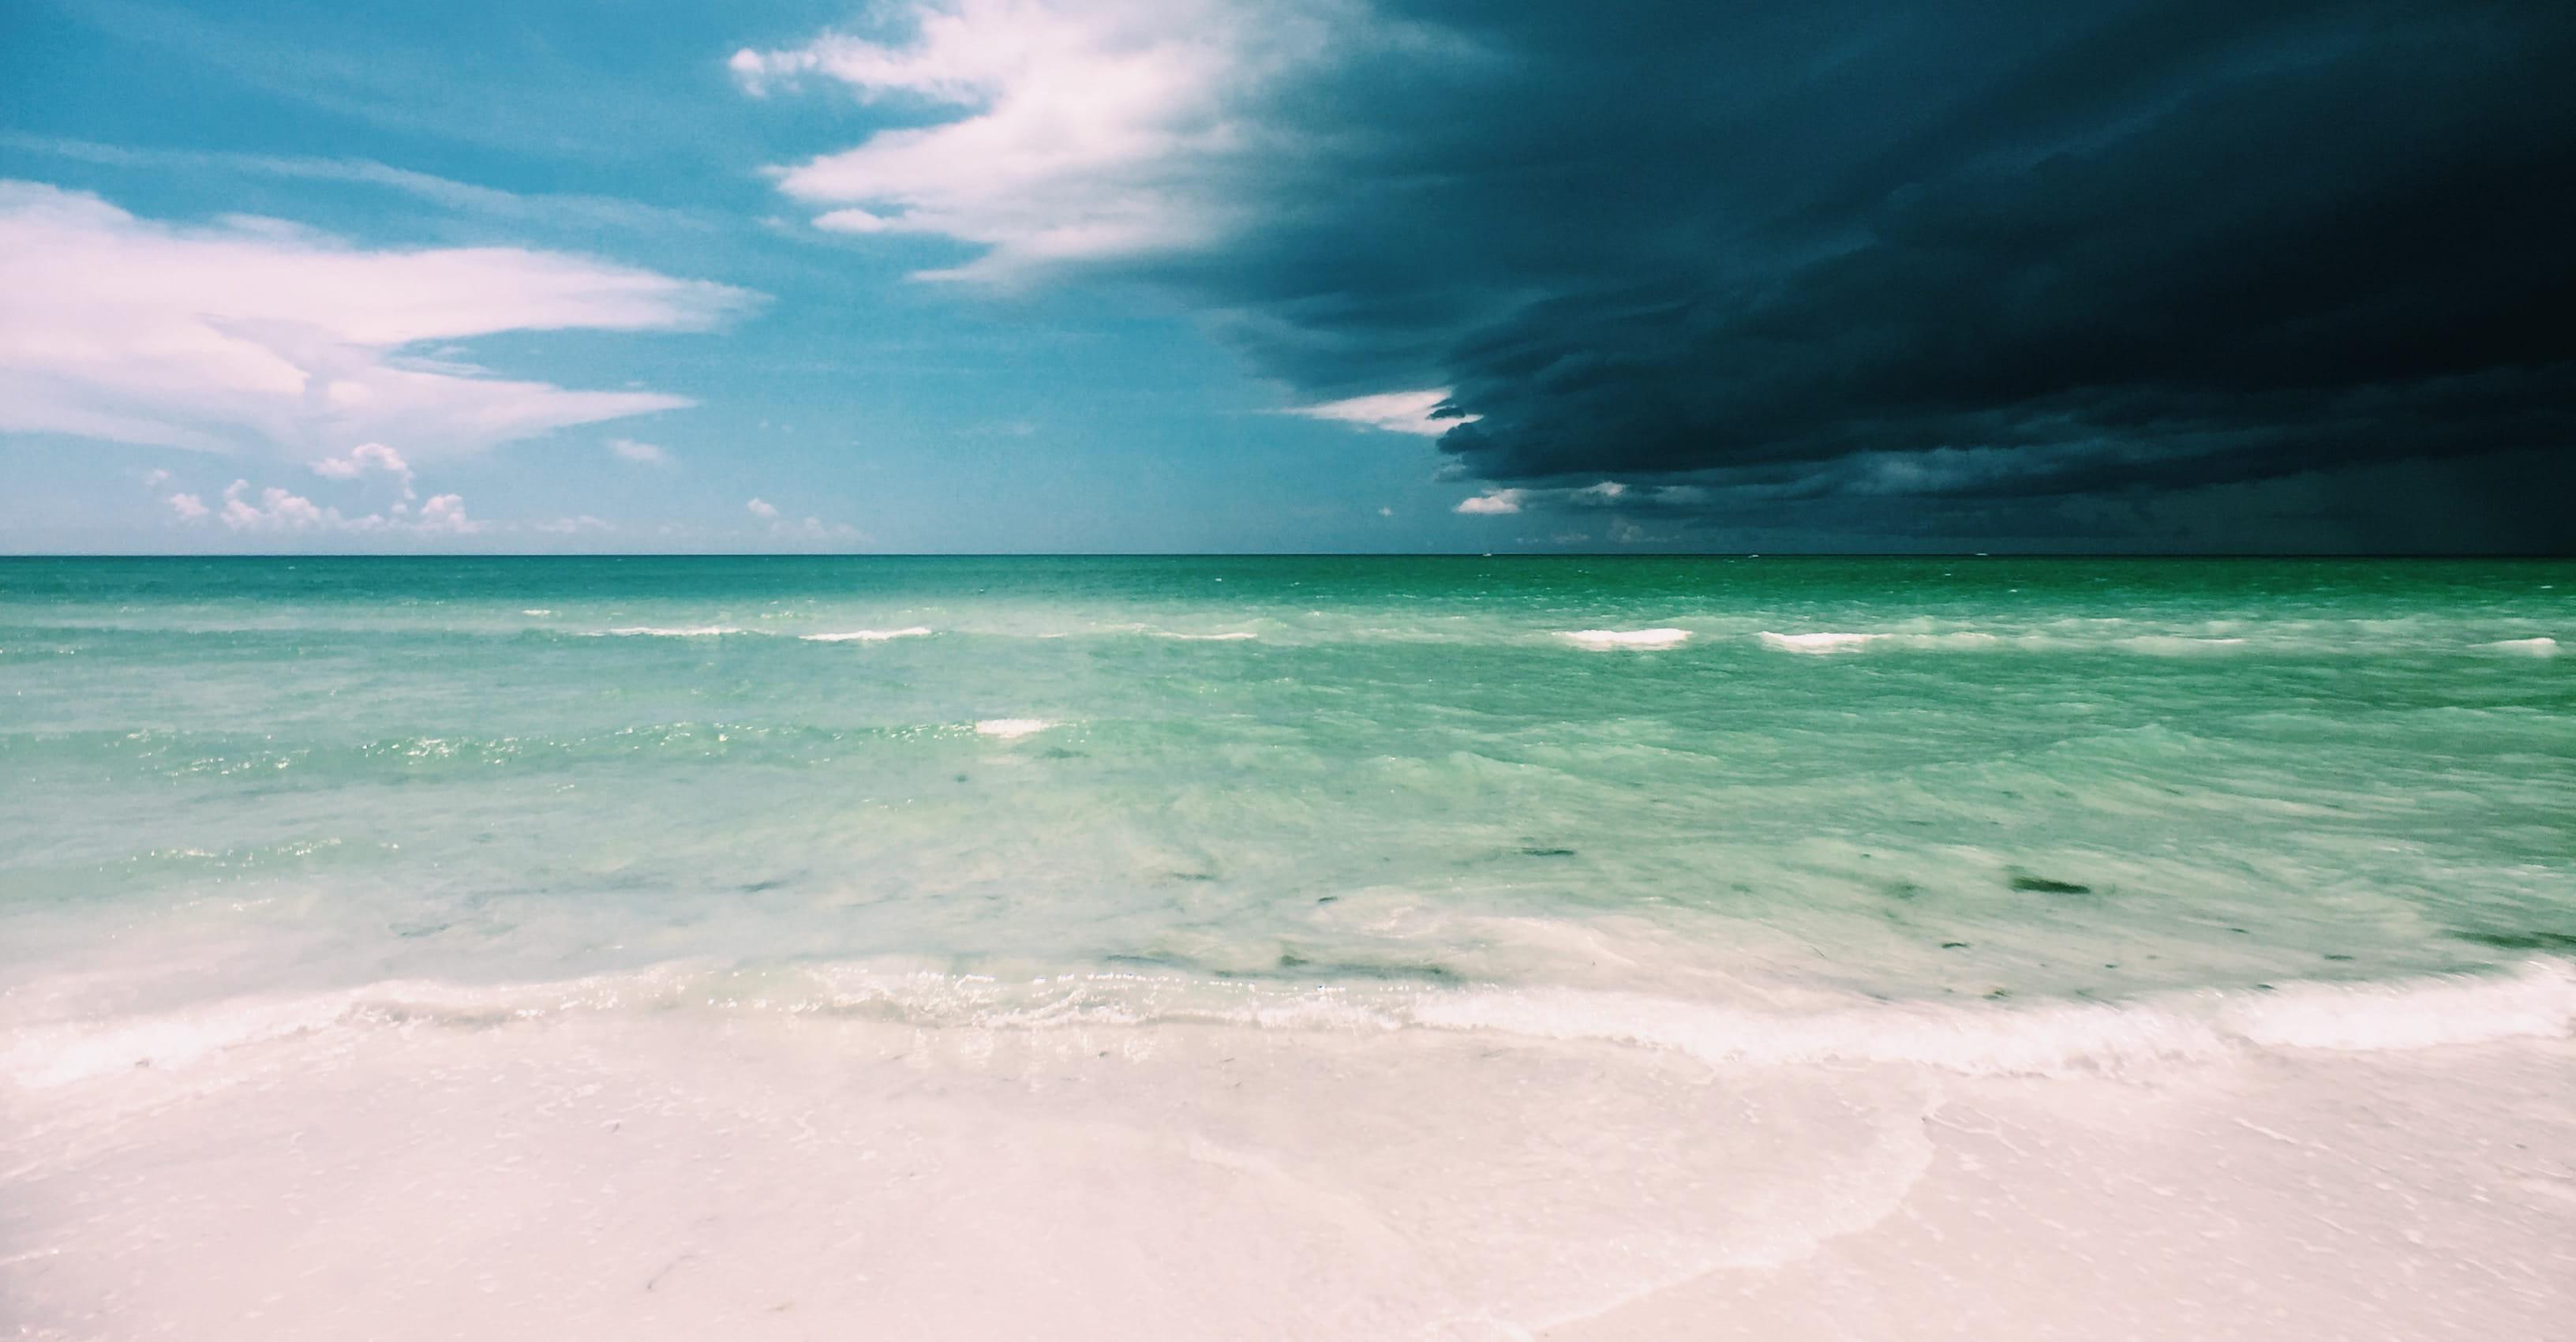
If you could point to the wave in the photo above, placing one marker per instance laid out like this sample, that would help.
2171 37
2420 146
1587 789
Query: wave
655 631
2180 645
1010 728
1643 639
2533 647
868 635
2536 1000
1818 643
1202 638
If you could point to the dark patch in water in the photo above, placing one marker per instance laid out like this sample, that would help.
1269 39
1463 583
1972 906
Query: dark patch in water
2338 957
1351 969
1060 753
421 930
1904 890
2023 880
758 886
1191 875
1547 852
1326 899
2521 941
1291 960
1998 994
1954 945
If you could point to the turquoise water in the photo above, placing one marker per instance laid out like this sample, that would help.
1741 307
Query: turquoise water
1601 949
2026 777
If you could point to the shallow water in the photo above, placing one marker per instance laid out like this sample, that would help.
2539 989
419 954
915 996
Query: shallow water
1547 872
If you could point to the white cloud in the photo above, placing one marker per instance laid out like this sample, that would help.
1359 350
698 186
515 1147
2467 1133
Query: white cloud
154 479
760 508
1492 503
559 211
445 512
254 330
363 458
571 526
1086 130
277 510
280 510
627 449
1394 411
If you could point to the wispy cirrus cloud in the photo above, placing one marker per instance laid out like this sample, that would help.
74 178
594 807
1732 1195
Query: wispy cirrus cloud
253 332
1426 413
547 209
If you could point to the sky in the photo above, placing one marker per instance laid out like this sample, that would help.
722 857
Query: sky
1288 275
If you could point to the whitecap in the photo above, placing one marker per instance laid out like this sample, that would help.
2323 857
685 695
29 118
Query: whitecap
1606 639
1009 728
868 635
652 631
2179 645
1203 638
2530 647
1817 643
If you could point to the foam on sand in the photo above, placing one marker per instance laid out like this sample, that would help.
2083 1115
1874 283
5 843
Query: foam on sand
1604 640
667 1153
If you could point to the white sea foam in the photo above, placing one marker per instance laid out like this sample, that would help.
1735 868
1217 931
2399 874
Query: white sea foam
656 631
2179 645
2537 1000
1817 643
1008 728
1203 638
537 610
2532 647
868 635
1602 640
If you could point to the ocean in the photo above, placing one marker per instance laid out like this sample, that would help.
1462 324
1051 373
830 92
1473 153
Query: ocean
1287 948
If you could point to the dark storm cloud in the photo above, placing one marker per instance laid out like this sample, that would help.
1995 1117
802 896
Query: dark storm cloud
2001 266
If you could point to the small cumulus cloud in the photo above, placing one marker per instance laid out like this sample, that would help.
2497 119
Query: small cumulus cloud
276 510
762 508
1493 503
574 526
364 458
446 513
628 449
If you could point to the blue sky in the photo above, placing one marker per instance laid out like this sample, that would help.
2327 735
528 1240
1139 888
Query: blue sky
810 370
1307 275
